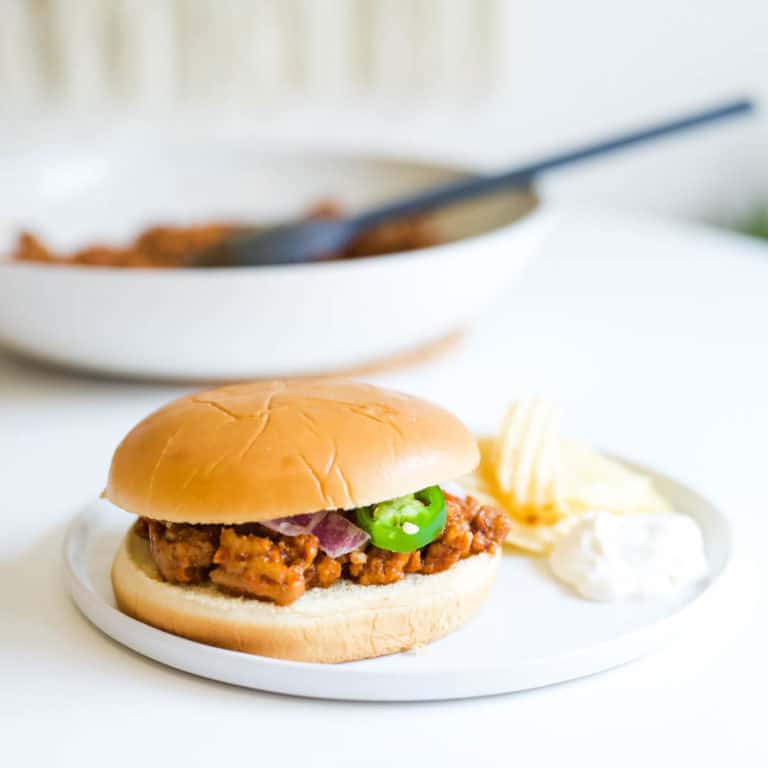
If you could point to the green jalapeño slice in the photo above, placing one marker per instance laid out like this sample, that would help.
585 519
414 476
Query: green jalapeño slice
406 523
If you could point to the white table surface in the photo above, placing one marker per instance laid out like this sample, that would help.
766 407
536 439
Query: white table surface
651 336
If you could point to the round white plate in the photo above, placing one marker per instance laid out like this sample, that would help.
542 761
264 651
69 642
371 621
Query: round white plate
532 632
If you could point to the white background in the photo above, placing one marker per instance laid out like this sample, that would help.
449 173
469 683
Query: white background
501 78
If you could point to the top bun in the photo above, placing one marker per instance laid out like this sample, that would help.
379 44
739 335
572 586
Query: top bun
261 450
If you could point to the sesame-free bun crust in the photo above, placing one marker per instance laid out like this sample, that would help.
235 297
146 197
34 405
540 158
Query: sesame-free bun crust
261 450
342 623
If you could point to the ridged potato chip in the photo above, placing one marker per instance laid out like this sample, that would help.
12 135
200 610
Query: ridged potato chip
538 539
546 483
592 481
527 465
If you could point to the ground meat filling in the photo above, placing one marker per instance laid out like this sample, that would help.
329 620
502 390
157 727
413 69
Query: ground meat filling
380 566
182 553
164 247
266 568
323 572
454 544
253 561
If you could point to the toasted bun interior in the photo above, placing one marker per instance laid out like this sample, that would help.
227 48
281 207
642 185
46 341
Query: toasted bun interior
342 623
261 450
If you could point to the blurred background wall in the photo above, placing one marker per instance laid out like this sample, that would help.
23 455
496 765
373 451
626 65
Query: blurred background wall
489 80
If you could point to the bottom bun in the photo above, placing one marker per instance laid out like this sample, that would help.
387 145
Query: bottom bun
342 623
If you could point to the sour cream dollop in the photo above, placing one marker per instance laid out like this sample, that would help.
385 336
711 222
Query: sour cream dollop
610 557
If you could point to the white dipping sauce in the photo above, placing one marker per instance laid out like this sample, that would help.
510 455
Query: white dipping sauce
609 557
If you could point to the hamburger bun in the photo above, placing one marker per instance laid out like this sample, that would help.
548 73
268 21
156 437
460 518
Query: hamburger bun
342 623
261 450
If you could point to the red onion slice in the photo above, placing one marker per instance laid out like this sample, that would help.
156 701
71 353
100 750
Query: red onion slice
296 524
337 535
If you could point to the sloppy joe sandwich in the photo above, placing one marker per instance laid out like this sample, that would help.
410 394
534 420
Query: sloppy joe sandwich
307 520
